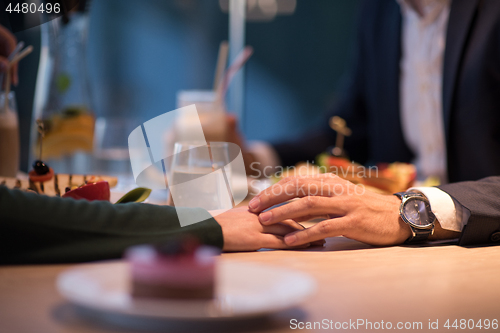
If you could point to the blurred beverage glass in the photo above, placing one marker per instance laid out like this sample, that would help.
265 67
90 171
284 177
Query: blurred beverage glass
200 175
9 136
62 95
210 111
111 154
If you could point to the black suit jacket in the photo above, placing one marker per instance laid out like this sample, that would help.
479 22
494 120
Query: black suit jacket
471 95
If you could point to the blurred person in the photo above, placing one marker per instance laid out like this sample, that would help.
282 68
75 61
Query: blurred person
424 89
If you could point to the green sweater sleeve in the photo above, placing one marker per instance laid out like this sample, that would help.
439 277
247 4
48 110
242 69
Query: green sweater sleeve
41 229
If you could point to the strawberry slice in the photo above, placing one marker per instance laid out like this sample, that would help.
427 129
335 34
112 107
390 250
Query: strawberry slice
91 191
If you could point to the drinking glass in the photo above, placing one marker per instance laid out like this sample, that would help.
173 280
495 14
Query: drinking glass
200 175
211 114
111 155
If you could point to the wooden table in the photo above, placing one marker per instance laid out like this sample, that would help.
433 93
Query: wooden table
355 282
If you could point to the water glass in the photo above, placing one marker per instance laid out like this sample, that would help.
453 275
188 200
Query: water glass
200 175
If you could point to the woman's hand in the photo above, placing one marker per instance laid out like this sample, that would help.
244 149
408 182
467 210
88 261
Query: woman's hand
242 231
7 45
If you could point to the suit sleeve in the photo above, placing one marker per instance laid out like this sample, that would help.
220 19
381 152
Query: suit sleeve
41 229
482 199
349 106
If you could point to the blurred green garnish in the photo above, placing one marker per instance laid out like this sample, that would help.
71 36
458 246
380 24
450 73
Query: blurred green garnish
136 195
63 82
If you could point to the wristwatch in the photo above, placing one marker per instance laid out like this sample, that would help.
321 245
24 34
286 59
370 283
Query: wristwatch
415 211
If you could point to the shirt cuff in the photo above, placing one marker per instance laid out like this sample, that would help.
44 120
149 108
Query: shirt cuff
449 212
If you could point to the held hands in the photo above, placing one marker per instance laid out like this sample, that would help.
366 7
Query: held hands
351 210
242 231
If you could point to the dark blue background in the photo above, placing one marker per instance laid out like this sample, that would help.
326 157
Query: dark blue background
140 53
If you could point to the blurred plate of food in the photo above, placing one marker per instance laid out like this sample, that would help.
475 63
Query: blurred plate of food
383 177
241 290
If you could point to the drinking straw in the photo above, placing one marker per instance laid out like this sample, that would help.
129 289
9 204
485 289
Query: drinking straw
221 63
14 61
18 48
237 64
21 55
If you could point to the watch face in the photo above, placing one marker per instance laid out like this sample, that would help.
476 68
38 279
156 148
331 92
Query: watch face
417 212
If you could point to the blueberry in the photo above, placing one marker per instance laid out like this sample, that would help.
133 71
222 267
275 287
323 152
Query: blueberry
40 168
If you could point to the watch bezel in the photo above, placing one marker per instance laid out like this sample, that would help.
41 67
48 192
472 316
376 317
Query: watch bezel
405 201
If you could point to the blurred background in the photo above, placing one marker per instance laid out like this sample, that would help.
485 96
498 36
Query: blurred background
140 54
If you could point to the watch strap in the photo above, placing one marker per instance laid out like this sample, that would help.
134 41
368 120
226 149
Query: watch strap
418 235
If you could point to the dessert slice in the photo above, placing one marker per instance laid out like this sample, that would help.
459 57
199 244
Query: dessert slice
56 185
177 270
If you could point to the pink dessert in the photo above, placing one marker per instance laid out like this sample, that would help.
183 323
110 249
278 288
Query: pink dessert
176 270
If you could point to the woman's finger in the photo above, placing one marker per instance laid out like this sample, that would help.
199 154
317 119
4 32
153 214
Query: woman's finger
14 73
312 217
293 224
281 229
8 42
324 229
269 241
4 64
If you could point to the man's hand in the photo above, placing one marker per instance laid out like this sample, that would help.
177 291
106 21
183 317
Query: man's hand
7 45
242 231
351 210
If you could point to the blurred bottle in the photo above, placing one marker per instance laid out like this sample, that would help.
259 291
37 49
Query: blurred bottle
62 96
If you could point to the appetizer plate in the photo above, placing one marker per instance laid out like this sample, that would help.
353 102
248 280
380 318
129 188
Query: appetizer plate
242 290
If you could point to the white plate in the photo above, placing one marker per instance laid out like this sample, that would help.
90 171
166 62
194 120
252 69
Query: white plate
242 290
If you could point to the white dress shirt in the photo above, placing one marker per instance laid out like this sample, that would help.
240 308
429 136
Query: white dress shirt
423 39
423 34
